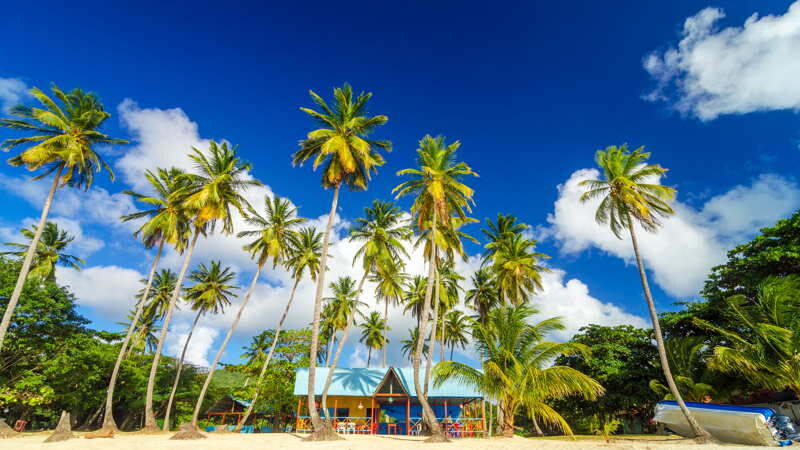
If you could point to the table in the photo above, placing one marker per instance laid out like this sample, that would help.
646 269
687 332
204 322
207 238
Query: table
391 428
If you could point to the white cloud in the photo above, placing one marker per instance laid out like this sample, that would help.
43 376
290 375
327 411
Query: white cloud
12 92
199 347
108 290
163 138
571 301
681 253
735 70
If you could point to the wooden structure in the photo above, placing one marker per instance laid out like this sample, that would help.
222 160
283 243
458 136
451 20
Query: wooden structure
230 410
383 401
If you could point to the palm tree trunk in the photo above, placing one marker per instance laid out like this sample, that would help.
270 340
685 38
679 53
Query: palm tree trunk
221 350
342 342
432 342
369 355
178 369
700 433
149 416
441 344
321 431
427 413
452 348
26 263
386 333
269 355
108 418
329 350
536 428
508 423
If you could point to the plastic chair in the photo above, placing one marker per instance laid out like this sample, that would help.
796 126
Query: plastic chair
351 427
210 429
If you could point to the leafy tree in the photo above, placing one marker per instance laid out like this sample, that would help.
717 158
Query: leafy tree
212 292
372 334
439 196
49 252
765 344
349 158
628 198
62 142
623 360
516 369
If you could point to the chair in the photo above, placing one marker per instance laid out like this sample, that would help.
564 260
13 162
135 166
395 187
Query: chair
210 429
19 426
391 428
351 427
340 428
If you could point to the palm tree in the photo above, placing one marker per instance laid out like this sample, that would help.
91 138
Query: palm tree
373 334
498 231
215 189
165 224
49 252
439 196
414 296
153 311
409 345
764 344
628 197
517 369
516 270
211 292
276 239
483 297
345 310
63 142
349 158
145 330
456 330
449 290
390 282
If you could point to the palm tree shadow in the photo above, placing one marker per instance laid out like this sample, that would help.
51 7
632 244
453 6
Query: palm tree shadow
361 381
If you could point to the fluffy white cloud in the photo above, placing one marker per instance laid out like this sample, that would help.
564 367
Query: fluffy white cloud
108 290
200 346
163 138
12 92
715 71
571 301
681 253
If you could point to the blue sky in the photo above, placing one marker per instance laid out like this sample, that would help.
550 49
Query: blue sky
531 89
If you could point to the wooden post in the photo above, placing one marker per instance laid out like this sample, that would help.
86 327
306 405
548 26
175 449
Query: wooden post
374 419
335 403
408 416
483 416
297 418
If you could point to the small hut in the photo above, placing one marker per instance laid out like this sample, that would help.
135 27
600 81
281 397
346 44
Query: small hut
383 401
230 410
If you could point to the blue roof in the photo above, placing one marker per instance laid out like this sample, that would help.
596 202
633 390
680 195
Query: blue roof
361 382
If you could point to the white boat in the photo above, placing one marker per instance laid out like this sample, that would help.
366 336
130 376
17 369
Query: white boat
727 423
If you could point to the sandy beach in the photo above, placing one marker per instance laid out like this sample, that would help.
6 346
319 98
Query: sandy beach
132 441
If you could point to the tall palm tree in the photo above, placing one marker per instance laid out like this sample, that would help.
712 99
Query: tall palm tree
153 310
499 230
145 330
373 334
516 268
165 223
62 142
277 240
439 195
414 296
456 330
49 252
483 297
449 293
345 310
349 157
629 197
211 292
517 369
216 187
390 282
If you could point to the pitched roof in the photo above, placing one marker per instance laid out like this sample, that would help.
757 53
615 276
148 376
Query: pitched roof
361 382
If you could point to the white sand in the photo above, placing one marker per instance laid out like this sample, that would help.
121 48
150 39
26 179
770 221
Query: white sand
222 441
